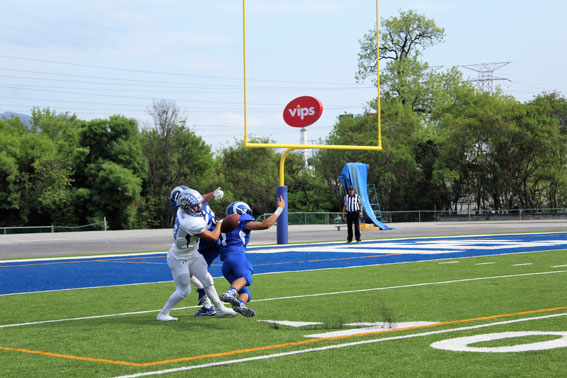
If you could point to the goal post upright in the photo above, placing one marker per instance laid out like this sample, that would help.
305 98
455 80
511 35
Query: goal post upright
282 231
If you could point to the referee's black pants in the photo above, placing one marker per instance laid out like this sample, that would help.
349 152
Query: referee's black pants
353 217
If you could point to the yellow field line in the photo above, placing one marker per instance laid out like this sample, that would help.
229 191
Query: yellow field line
67 356
296 343
268 347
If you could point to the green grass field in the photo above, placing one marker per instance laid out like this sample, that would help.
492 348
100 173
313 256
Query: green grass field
107 332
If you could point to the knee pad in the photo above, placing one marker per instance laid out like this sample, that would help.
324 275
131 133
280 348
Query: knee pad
208 281
184 292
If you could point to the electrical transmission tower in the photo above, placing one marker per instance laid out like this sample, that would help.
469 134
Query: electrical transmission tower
486 74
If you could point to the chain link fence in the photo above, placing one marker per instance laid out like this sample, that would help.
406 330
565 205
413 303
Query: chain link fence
297 218
97 226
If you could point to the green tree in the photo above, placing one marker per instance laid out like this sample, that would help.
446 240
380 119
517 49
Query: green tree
114 192
498 153
307 191
545 143
250 175
402 41
114 167
404 171
36 177
176 156
10 194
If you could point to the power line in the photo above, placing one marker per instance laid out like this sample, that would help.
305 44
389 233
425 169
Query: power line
159 83
159 72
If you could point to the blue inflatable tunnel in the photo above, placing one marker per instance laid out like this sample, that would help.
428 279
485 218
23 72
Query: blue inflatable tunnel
356 174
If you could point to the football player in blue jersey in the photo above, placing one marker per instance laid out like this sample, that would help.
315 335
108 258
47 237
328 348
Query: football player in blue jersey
236 268
208 248
183 257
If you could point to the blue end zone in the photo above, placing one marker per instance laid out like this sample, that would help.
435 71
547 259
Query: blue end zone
60 274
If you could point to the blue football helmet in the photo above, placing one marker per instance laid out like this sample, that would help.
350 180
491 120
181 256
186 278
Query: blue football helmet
174 195
188 199
238 207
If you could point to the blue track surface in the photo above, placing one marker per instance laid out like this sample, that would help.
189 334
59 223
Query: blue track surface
60 274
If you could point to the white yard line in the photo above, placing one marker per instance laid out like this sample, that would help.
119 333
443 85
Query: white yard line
297 297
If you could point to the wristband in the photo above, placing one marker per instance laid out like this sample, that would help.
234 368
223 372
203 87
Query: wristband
278 211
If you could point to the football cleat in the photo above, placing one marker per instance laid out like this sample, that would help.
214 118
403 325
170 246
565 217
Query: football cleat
202 297
224 312
230 297
243 310
165 318
205 312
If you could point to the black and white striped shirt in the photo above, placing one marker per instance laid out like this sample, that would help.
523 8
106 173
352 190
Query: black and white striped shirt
353 203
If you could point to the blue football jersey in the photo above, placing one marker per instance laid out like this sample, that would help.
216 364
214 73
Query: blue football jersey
209 215
236 240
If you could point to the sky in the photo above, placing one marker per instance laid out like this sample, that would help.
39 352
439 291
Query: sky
99 58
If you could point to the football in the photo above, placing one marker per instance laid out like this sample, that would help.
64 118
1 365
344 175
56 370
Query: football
230 222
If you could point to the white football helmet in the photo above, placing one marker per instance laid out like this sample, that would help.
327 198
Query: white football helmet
238 207
188 199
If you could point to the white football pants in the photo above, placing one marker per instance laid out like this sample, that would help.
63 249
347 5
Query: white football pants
182 270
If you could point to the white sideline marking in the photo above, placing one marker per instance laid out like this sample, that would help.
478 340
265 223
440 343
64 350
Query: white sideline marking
523 264
559 266
84 288
435 246
275 355
449 262
486 263
301 296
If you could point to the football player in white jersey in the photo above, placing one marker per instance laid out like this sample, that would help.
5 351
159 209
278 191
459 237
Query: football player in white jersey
209 249
183 258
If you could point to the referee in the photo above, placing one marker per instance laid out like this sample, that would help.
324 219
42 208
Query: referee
353 208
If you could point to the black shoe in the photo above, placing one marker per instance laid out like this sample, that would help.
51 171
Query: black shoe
349 241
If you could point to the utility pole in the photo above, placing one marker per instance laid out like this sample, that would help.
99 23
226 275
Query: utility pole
486 74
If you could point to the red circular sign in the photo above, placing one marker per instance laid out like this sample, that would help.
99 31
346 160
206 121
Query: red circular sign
302 111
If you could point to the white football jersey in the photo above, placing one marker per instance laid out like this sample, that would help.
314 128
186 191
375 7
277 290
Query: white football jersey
185 243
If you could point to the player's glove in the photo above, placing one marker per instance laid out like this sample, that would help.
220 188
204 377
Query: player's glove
218 193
